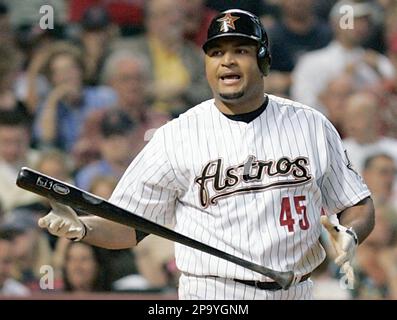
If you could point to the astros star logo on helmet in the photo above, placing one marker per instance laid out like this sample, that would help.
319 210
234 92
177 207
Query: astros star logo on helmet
227 22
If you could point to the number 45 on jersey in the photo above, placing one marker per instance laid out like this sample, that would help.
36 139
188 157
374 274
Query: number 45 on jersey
286 218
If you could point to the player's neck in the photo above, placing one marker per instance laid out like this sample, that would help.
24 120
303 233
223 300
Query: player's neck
239 107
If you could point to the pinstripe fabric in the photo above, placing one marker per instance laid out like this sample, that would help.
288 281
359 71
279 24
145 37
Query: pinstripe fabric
223 182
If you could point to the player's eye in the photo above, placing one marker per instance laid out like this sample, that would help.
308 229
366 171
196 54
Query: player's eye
215 53
242 50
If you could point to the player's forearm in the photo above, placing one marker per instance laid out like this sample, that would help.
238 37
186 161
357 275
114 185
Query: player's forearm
360 217
108 234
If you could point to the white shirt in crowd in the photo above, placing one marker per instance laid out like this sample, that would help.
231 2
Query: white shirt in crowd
317 68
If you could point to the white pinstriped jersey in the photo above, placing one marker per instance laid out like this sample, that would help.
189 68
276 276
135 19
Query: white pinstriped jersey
254 190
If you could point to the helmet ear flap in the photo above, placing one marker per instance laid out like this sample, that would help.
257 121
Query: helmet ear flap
265 64
261 59
264 58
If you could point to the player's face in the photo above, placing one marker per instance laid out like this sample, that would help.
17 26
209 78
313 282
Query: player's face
233 73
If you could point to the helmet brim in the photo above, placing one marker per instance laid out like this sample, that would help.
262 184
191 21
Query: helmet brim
210 42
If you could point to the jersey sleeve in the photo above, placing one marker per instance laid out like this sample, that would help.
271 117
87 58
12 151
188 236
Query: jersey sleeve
148 187
342 186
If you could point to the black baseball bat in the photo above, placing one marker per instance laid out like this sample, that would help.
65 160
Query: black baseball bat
72 196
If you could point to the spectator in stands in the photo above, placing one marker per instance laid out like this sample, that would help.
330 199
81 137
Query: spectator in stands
7 36
14 153
103 186
197 18
156 262
388 94
31 247
379 173
177 79
85 270
297 32
10 66
316 68
377 258
376 269
334 98
32 86
127 73
323 8
377 38
56 164
361 125
8 285
116 146
96 34
62 115
35 43
127 15
259 8
390 31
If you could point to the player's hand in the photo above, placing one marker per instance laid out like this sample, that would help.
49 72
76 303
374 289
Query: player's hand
345 243
62 221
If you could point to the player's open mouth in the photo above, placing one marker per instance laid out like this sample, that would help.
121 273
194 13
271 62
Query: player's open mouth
230 78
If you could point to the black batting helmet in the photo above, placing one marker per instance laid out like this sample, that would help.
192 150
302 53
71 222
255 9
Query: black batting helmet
240 23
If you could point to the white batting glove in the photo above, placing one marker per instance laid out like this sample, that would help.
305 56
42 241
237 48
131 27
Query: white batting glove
345 243
62 221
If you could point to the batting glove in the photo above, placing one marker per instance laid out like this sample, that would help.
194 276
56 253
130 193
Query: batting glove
345 243
62 221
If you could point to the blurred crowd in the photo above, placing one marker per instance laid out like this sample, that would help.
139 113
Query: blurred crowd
79 100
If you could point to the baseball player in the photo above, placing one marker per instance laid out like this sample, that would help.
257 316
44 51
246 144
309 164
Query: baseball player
247 173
